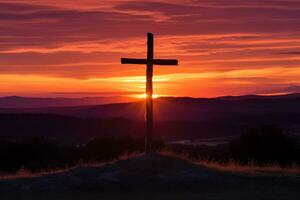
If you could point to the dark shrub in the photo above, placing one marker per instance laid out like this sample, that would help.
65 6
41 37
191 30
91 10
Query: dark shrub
35 155
39 154
264 145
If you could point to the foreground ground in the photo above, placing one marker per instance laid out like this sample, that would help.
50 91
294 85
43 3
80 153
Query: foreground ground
151 177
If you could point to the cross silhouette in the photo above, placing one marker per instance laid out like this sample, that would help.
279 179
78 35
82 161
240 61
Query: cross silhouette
150 61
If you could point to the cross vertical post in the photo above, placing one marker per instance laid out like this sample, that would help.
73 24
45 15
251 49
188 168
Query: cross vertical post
150 61
149 94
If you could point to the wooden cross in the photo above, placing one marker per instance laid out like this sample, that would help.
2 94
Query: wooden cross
150 61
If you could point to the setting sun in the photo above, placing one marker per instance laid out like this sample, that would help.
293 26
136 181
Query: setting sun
144 96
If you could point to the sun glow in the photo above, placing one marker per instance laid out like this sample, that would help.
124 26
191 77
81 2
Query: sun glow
144 96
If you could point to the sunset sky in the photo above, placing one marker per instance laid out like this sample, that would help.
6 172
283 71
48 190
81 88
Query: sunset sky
224 47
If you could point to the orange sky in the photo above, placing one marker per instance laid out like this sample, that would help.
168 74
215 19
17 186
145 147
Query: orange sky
231 47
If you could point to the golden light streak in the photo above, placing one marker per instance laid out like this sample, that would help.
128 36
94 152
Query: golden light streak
144 96
180 84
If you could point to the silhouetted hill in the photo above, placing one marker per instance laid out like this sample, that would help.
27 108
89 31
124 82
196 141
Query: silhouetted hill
72 130
283 96
63 129
33 102
175 118
188 109
80 130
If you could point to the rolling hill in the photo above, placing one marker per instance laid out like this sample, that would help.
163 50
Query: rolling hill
36 102
182 109
175 118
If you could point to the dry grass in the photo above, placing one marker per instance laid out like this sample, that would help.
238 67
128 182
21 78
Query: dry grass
235 167
25 173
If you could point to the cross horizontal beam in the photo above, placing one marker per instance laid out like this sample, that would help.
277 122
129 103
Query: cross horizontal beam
165 62
133 61
146 61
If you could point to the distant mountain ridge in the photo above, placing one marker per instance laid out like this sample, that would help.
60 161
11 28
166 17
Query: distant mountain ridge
176 118
16 102
253 96
37 102
181 108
